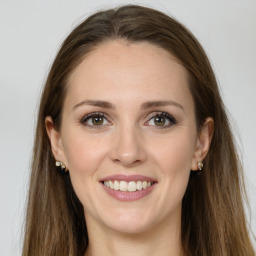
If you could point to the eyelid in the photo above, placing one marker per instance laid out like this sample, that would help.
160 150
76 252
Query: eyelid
93 114
170 118
84 117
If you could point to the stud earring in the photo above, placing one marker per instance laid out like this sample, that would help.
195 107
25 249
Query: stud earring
200 166
61 165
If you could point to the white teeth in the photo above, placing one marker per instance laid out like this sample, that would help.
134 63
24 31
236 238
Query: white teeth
130 186
116 185
144 184
111 185
139 185
123 186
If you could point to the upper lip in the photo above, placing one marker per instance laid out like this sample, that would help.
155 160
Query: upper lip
121 177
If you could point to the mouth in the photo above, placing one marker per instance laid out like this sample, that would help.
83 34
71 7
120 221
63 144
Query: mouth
128 188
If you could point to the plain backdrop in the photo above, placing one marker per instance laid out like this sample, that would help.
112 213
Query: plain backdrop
31 33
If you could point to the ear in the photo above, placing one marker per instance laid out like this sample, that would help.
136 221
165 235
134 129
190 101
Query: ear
55 140
203 143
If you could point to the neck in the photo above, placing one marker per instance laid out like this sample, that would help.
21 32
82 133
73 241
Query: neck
162 240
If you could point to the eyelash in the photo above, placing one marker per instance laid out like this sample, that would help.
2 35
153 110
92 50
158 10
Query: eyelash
171 119
91 115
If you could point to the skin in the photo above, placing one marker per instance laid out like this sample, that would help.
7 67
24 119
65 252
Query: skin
130 141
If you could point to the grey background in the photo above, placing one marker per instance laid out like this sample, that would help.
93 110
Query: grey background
30 34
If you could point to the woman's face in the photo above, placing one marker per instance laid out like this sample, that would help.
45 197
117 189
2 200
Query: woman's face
129 123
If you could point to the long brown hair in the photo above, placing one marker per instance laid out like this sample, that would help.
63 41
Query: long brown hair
213 218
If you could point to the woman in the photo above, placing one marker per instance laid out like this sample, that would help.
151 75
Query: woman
129 115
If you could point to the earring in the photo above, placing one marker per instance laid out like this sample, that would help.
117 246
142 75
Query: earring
200 166
61 165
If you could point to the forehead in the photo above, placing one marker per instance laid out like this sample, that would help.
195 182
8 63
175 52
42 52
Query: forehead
122 70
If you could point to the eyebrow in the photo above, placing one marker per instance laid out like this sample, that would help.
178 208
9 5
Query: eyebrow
161 103
145 105
95 103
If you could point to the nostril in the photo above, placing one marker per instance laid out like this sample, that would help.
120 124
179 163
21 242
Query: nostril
127 162
128 154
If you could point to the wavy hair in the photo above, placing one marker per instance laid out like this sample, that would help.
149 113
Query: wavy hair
213 217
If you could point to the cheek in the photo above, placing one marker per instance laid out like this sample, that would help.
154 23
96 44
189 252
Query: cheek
175 153
174 162
83 153
174 158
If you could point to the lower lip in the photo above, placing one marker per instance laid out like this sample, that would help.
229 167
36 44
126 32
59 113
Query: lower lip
128 196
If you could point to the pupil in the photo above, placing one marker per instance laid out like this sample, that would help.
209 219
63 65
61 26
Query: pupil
97 120
159 120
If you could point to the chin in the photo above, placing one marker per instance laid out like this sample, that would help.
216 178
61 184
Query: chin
129 222
129 228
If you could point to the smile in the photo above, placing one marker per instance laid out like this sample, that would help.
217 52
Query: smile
130 186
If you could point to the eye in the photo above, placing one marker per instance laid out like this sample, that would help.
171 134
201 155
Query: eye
95 120
161 120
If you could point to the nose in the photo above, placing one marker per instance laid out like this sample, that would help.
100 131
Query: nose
128 147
